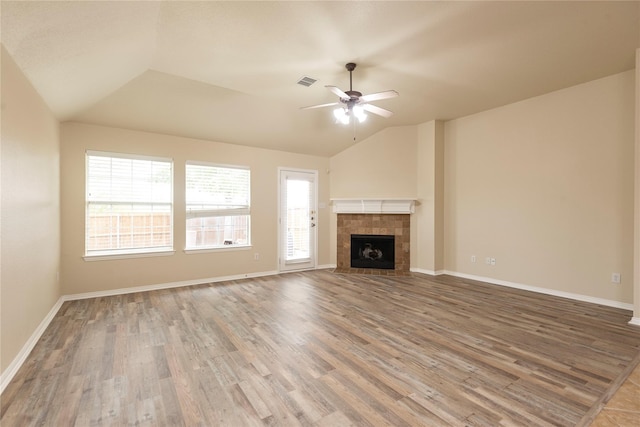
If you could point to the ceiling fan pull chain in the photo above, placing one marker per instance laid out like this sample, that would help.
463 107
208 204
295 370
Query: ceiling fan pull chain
354 130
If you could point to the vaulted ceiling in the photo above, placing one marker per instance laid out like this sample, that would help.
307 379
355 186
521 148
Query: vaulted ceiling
228 71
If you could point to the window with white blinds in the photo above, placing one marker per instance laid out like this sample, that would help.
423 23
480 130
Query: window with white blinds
218 206
129 204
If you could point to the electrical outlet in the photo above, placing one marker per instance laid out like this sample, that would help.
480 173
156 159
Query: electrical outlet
256 256
493 261
473 258
615 278
487 260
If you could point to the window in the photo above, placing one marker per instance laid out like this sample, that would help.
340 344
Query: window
218 208
129 204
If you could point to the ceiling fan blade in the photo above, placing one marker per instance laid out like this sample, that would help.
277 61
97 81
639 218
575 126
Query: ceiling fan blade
320 106
377 110
338 92
379 95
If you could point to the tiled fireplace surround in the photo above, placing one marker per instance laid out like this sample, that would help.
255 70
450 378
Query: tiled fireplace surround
382 224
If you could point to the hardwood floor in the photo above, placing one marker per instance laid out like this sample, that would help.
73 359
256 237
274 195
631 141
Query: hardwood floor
323 349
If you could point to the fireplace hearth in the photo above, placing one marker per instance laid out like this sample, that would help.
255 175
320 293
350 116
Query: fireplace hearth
372 251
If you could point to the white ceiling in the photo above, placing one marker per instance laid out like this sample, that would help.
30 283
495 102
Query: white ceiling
228 71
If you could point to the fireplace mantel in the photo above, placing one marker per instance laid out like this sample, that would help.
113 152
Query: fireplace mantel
373 206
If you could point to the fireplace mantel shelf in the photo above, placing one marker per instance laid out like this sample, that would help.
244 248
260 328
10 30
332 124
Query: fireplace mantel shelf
373 206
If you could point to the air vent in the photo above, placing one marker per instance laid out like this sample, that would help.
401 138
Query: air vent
306 81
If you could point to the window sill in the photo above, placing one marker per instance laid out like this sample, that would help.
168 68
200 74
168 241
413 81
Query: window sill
218 249
105 256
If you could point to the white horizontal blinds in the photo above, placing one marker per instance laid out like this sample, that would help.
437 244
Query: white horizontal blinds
217 190
218 205
129 203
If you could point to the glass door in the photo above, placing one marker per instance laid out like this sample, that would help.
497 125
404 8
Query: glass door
298 220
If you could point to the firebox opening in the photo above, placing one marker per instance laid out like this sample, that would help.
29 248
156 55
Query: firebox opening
372 251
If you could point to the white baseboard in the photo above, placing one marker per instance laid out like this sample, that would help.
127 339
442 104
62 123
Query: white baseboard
553 292
168 285
423 271
22 355
429 272
635 321
325 266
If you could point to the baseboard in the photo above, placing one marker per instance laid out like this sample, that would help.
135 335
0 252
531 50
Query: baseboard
168 285
17 362
635 321
429 272
569 295
553 292
325 266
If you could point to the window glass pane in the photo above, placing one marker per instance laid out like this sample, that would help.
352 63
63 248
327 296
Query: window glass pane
215 231
129 204
218 206
298 195
118 227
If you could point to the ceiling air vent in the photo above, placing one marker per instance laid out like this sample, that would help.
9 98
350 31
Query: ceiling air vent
306 81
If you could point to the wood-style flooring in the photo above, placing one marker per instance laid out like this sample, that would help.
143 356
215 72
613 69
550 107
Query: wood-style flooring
323 349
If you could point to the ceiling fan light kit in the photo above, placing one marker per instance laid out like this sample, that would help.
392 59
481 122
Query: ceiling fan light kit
359 113
343 114
353 104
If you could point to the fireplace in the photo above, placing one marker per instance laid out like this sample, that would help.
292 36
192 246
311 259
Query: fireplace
372 251
396 226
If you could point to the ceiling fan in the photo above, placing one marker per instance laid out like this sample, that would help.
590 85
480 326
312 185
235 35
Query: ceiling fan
353 103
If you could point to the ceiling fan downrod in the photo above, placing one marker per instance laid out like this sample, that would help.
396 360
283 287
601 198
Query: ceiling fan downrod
350 66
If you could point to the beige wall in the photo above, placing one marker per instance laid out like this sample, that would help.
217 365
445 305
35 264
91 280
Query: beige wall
30 228
545 186
80 276
382 165
427 224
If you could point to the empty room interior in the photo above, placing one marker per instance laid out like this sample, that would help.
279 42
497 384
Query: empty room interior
350 213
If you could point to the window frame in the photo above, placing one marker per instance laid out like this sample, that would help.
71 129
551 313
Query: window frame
130 252
246 210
